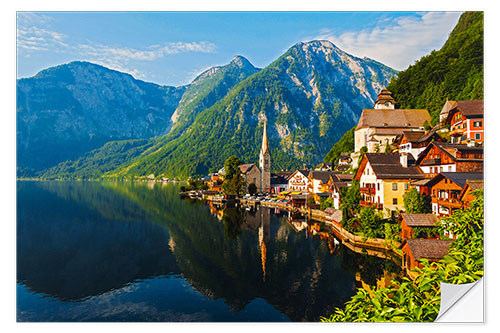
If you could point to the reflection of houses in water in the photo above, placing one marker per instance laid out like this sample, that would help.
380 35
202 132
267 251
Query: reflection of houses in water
298 223
384 281
217 211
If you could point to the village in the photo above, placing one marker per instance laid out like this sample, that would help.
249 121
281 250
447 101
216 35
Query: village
423 174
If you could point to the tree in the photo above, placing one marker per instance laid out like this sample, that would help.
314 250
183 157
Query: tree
325 202
231 167
416 203
350 202
234 183
252 188
371 222
387 147
427 126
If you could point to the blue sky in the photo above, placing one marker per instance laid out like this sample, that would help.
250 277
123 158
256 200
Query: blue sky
171 48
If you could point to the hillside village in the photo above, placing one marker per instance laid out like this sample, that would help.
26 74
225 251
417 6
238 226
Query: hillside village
402 170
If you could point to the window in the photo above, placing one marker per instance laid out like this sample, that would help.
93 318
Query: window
478 123
395 201
478 136
395 186
378 186
406 187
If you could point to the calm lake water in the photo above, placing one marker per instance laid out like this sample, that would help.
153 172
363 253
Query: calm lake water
122 251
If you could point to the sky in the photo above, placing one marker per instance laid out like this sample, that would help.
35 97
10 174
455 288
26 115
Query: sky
172 48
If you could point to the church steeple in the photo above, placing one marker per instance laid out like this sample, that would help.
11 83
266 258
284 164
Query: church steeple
265 162
265 143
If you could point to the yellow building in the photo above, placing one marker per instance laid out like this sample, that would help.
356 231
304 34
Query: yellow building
384 178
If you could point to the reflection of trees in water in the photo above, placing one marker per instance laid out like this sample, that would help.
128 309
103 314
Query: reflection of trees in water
70 251
251 254
233 220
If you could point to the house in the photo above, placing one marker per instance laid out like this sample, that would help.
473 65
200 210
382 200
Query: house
465 119
418 225
414 250
414 142
379 126
384 178
345 159
466 196
299 181
325 166
445 190
450 157
279 181
319 180
214 182
335 183
251 174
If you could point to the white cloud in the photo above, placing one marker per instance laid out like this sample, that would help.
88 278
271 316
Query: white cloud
35 35
399 42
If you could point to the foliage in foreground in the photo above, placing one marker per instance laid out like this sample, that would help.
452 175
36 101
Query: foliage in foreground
419 300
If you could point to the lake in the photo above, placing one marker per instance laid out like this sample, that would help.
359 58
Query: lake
135 252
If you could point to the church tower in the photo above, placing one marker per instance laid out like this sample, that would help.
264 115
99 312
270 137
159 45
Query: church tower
265 163
384 100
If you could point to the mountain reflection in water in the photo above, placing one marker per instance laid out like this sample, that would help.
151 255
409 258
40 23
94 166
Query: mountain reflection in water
132 251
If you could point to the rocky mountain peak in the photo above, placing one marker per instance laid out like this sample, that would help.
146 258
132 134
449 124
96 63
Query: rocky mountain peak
241 62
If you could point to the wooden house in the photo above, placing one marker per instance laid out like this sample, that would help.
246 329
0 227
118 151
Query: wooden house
466 195
414 142
446 188
335 184
418 226
384 178
450 157
465 119
414 250
318 180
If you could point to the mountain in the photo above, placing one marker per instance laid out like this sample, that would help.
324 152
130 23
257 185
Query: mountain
455 72
310 96
67 110
344 145
207 89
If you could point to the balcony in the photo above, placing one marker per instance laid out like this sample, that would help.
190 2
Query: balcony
367 190
457 132
432 161
450 203
371 204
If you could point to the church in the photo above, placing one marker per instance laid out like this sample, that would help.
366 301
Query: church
379 126
260 176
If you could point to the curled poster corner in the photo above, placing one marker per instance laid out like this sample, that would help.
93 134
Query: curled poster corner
465 302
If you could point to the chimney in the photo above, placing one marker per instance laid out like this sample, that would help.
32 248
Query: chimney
403 159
